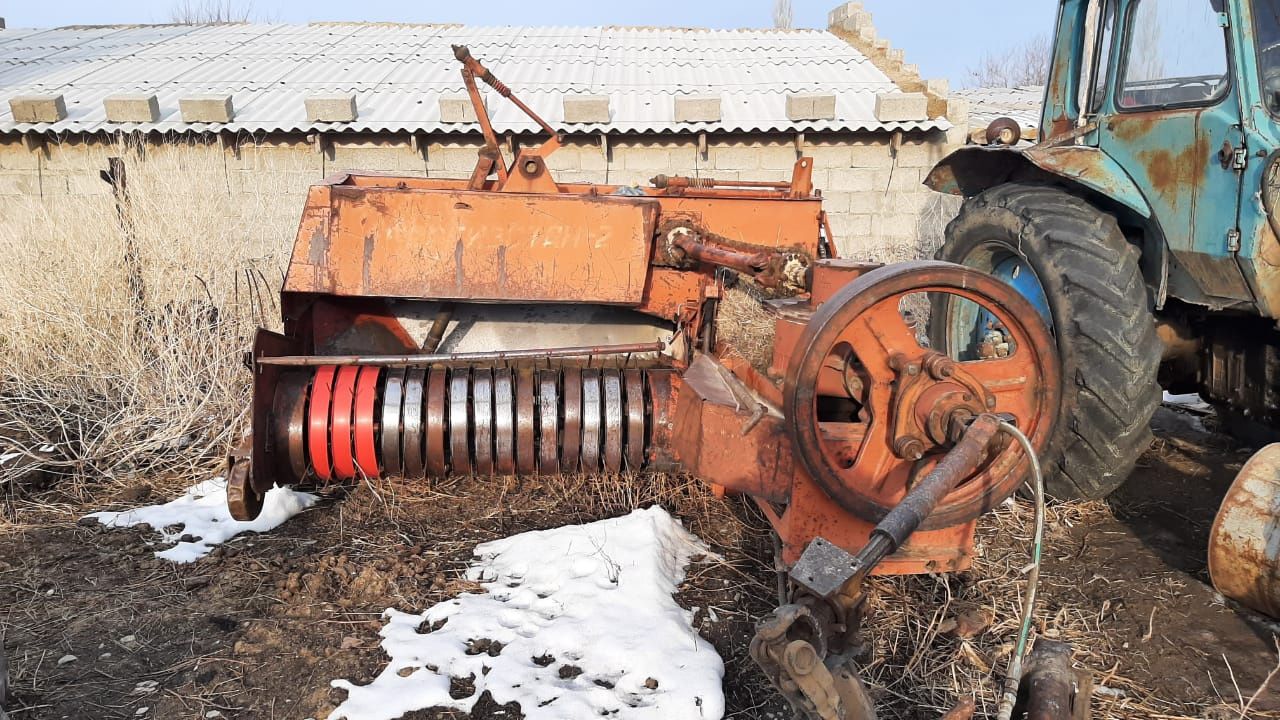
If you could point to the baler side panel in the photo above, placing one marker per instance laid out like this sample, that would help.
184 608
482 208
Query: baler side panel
475 246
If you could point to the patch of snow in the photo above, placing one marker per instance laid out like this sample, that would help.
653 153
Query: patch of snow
574 623
1190 401
202 513
6 457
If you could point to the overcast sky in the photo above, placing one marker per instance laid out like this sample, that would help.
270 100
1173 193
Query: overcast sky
944 43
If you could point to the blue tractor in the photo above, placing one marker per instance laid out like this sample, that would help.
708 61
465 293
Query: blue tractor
1143 226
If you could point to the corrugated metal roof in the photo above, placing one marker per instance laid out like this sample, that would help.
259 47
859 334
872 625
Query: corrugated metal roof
398 73
1020 103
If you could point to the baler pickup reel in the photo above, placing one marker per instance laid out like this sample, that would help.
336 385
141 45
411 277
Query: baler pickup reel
509 324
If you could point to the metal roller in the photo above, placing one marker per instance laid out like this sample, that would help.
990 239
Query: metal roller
436 407
591 429
633 390
612 380
356 421
459 422
504 419
392 402
482 415
289 409
571 437
526 459
319 395
363 433
411 447
549 422
344 398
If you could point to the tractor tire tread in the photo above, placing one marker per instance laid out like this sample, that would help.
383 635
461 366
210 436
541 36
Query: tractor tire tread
1104 324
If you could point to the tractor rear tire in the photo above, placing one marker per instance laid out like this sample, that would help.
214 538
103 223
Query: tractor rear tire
1101 319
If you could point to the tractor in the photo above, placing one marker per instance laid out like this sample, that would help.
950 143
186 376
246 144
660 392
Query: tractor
1143 228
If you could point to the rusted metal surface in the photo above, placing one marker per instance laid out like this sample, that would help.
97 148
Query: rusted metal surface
482 419
243 502
289 413
611 381
1049 689
504 422
790 646
460 421
1244 543
633 390
411 423
392 412
475 246
591 421
548 422
862 324
436 408
571 438
586 351
526 455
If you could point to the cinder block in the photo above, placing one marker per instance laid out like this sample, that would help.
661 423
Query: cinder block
457 108
644 158
811 106
734 158
902 107
206 109
331 108
777 157
38 108
586 108
127 108
698 108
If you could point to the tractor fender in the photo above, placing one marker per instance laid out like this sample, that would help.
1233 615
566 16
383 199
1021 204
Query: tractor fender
972 169
1088 170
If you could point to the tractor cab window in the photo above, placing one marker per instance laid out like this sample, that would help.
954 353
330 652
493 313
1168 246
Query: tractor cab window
1266 20
1106 20
1177 54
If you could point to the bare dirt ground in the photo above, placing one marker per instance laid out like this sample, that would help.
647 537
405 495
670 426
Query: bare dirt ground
258 629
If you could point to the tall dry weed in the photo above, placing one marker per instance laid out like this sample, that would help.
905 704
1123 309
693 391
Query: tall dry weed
94 383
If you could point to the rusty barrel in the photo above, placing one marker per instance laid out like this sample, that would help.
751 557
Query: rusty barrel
1244 545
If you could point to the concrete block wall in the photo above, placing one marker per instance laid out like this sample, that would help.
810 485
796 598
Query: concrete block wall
878 208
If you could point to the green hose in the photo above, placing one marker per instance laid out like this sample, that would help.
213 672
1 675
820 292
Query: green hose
1014 675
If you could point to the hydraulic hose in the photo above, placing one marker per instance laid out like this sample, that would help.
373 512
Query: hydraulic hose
1014 674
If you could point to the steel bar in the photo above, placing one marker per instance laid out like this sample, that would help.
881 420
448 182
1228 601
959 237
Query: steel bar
290 411
548 422
445 358
633 391
591 425
392 402
612 421
437 460
504 430
526 459
482 415
571 388
411 452
459 421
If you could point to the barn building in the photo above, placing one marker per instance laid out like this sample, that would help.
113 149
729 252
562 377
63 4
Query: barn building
305 101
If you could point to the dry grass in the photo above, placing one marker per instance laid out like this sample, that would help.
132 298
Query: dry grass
920 665
116 386
744 324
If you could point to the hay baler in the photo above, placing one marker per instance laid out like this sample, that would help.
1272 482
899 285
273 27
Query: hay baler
509 324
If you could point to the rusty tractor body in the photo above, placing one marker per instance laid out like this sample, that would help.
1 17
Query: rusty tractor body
1143 225
510 324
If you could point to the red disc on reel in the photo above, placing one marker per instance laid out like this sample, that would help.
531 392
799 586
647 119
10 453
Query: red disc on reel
344 396
318 421
366 441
